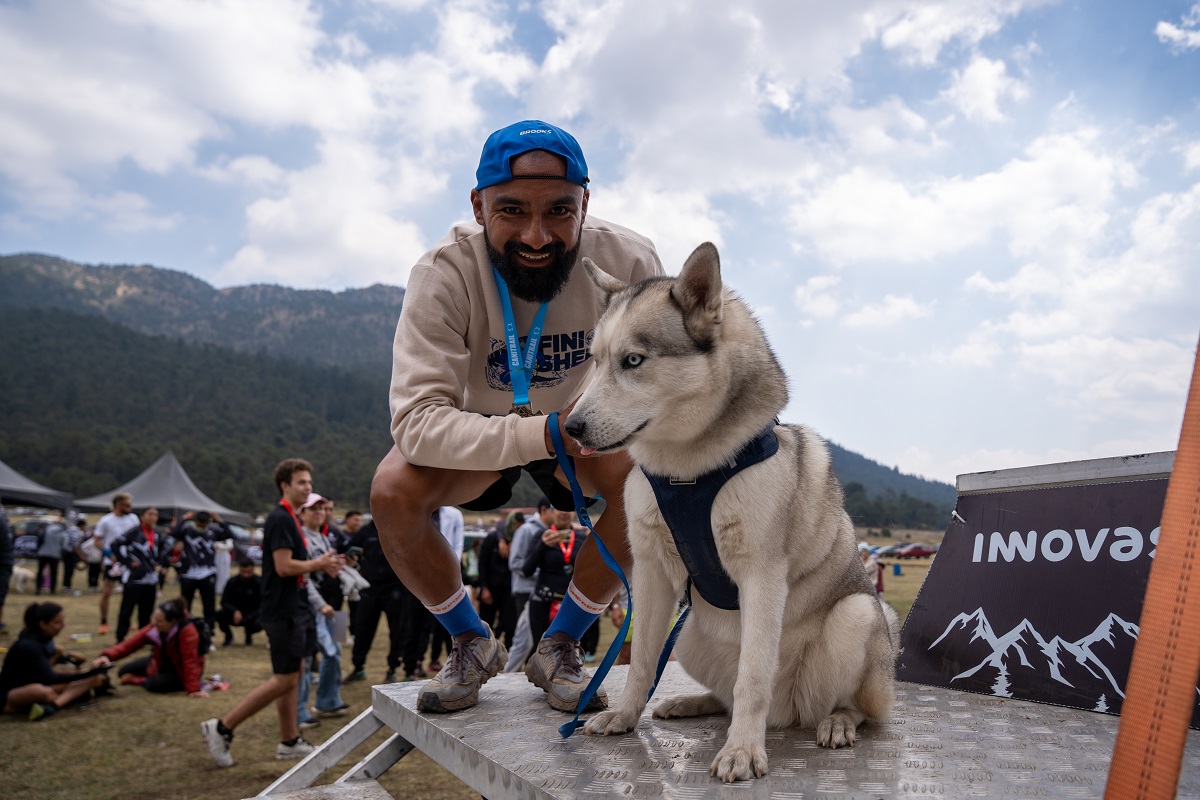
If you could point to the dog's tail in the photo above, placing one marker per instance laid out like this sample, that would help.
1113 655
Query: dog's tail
893 625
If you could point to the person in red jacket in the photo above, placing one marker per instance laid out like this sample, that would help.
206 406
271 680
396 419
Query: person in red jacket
175 663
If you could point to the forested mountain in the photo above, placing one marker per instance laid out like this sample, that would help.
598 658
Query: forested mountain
105 368
86 405
349 328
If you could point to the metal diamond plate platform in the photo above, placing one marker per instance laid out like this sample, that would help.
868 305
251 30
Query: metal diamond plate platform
938 743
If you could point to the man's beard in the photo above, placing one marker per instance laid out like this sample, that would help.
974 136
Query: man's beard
533 284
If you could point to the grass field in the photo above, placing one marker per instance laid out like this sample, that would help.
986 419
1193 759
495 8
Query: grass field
139 746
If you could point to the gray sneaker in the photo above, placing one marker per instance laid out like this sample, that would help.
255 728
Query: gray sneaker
468 667
557 669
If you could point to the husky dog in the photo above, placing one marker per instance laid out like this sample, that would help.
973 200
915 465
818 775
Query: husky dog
684 379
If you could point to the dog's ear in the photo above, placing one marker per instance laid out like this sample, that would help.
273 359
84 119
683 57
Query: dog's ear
607 283
698 291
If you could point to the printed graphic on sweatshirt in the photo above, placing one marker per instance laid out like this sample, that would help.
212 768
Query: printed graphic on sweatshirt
1036 595
558 354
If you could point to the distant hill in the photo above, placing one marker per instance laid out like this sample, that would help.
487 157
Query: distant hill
87 404
106 367
350 328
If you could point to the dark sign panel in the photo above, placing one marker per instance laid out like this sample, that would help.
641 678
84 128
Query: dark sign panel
1036 594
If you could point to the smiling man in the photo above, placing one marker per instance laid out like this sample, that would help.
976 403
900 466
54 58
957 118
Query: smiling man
494 334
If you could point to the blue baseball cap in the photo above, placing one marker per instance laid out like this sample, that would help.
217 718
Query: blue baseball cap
495 163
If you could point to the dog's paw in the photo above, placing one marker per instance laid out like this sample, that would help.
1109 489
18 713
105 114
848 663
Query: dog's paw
739 762
839 729
613 722
688 705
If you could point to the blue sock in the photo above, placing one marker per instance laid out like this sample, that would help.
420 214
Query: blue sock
457 615
575 615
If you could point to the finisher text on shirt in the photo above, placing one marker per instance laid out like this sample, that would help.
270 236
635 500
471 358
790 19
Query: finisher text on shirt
557 353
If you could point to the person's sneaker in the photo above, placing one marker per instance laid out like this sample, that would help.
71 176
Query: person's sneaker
390 677
356 675
228 640
338 711
418 673
311 722
103 629
218 745
468 667
39 710
298 750
557 669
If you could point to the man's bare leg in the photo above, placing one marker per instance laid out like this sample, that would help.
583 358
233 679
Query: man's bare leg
261 696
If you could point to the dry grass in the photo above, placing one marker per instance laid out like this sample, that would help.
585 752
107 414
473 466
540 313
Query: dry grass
139 746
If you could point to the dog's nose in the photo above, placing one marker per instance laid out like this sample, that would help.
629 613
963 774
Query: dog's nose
575 427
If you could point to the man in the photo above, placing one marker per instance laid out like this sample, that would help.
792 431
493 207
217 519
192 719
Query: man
351 523
241 602
495 578
285 616
6 563
467 394
110 526
525 540
71 554
385 595
139 550
196 540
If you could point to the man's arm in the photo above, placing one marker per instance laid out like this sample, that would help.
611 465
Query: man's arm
430 371
288 567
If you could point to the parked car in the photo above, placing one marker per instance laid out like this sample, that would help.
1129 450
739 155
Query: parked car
915 550
889 551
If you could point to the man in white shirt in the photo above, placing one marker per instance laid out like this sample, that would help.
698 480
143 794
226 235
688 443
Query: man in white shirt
107 530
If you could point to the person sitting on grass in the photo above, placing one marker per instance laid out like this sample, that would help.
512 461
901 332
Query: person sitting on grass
175 663
28 681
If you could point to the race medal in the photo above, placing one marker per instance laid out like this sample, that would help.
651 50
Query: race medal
524 410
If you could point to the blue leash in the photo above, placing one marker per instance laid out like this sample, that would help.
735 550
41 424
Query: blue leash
568 467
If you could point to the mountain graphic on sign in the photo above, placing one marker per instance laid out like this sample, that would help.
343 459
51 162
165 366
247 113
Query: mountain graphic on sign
1023 656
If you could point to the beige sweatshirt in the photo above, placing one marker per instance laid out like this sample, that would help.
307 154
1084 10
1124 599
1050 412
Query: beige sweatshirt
451 394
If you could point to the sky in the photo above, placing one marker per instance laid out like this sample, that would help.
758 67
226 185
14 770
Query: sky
971 228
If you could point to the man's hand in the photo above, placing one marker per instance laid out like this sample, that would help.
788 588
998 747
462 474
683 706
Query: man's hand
573 448
330 563
237 617
101 661
326 610
485 595
505 548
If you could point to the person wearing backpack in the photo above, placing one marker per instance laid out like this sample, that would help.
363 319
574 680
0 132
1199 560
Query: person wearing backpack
176 662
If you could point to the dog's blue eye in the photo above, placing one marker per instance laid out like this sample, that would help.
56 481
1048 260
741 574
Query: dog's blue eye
632 360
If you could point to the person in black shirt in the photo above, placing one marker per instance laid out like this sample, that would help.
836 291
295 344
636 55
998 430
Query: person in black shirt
386 595
495 578
285 616
553 561
241 602
28 680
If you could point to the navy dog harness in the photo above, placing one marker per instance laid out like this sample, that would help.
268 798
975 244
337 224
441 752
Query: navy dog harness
687 508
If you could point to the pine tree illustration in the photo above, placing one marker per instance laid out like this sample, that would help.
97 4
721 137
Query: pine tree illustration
1101 704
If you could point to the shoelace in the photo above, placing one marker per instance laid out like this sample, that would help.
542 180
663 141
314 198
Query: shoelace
461 652
566 659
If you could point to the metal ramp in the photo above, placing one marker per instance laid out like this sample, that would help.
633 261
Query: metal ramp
938 743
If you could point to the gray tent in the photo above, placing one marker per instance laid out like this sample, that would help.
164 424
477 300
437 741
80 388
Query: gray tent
168 488
16 488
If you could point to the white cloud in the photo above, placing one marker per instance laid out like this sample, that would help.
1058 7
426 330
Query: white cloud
978 90
1060 190
1182 37
815 298
891 311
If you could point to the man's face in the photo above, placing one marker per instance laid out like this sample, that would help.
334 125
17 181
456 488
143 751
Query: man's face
326 512
123 507
532 226
299 489
246 571
562 520
353 523
150 517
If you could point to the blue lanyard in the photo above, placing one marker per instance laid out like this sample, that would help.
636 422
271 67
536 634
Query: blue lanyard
520 365
565 461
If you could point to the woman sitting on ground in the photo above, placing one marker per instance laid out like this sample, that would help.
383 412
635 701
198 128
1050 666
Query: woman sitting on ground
28 680
175 663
